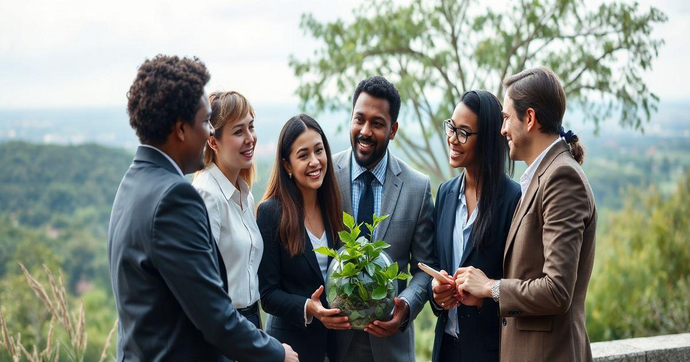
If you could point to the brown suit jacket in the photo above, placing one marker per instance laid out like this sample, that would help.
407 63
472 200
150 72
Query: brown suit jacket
547 265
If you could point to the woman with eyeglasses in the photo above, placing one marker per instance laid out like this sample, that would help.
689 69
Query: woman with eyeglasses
473 213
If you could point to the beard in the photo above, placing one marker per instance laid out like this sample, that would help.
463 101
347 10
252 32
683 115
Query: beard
517 146
378 150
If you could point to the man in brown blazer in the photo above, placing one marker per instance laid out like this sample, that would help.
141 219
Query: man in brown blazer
550 247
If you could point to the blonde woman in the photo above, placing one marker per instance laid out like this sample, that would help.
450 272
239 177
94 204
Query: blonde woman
225 184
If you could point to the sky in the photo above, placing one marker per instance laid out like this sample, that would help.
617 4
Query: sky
85 53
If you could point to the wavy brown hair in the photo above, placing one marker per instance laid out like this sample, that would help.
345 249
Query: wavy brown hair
228 107
284 189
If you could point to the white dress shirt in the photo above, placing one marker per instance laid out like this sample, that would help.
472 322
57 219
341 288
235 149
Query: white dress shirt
235 231
323 265
526 177
320 258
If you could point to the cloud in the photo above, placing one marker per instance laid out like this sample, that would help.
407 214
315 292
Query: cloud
67 53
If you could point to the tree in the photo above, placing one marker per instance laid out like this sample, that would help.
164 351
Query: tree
434 51
641 278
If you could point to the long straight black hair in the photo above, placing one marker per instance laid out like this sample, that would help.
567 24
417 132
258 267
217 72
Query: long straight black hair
283 188
492 160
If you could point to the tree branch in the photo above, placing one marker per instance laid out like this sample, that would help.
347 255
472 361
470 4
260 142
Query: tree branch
586 67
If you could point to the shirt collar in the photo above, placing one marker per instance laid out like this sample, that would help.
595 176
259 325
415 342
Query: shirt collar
227 188
168 157
379 170
527 176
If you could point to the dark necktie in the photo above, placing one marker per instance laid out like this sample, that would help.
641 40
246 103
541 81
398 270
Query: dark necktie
366 202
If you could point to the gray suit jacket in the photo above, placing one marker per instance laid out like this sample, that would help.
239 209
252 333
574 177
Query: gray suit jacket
168 277
410 232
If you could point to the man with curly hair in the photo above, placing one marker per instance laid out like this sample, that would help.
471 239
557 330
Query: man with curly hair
167 274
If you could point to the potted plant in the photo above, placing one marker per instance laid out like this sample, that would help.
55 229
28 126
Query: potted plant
362 278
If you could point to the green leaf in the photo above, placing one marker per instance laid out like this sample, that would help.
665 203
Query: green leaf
381 244
332 294
403 276
380 278
362 292
355 232
348 220
371 228
349 270
348 288
326 251
379 293
379 219
392 270
371 269
344 236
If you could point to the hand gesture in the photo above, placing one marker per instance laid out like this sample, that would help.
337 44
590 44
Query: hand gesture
290 355
329 317
445 294
472 281
386 329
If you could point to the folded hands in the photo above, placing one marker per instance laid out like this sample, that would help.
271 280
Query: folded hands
468 286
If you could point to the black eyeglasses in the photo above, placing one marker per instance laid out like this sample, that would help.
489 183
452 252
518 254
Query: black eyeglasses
459 133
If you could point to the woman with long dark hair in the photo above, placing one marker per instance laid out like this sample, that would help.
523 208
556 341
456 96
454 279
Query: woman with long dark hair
473 214
300 212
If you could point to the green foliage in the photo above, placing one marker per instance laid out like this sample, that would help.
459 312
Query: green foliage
436 50
358 256
56 203
42 182
641 281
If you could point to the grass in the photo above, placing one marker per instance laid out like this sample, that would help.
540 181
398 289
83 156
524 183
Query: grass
72 322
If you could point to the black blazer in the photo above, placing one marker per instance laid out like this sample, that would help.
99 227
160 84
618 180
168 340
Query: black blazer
286 283
479 330
169 278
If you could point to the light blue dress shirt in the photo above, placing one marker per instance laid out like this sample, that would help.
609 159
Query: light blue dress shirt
379 172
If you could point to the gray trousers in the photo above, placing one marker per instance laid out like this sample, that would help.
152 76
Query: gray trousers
360 348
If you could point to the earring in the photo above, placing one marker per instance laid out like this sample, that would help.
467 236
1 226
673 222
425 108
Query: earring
290 174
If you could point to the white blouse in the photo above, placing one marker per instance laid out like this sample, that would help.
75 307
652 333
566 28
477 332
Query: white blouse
320 258
235 231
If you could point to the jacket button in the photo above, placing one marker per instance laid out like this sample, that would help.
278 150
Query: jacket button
505 322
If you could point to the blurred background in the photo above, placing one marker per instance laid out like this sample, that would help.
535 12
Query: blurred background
65 140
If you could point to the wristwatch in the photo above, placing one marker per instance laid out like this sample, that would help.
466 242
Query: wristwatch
495 290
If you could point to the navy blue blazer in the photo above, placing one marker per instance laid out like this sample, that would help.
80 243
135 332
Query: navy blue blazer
286 282
479 330
168 276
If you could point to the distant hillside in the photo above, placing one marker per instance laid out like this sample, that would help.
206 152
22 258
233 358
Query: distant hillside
41 182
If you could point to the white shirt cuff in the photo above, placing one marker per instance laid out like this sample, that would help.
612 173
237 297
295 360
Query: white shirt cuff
307 319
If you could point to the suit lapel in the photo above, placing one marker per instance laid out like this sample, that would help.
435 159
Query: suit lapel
343 175
391 194
448 219
527 200
520 212
310 255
